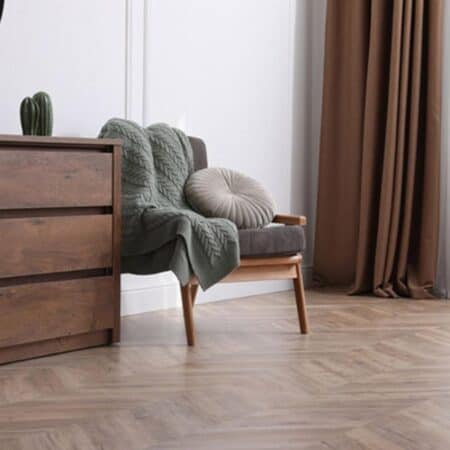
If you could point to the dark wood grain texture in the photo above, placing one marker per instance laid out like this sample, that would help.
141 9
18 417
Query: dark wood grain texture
116 237
43 179
57 308
55 244
61 344
59 244
49 142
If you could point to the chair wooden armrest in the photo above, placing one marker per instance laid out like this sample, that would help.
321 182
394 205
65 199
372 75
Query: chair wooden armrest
288 219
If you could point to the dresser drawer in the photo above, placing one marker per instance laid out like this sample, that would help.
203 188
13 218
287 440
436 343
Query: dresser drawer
40 311
50 179
39 245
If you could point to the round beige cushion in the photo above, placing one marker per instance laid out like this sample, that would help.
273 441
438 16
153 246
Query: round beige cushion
225 193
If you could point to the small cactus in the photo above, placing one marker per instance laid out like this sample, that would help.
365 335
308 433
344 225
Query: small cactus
29 116
44 103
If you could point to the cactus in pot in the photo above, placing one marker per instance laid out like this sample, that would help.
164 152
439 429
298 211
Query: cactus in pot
29 116
44 103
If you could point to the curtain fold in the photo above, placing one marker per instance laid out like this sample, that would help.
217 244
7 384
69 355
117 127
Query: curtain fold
377 225
443 278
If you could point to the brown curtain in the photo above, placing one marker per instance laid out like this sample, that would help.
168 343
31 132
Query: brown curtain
378 198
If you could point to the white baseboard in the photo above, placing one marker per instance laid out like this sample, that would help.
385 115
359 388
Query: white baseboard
157 292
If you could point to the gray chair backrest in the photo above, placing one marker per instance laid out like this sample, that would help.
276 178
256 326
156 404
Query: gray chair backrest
199 153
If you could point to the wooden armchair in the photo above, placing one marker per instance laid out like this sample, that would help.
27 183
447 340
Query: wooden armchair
272 253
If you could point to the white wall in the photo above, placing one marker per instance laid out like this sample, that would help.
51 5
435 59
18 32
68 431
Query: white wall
223 71
241 75
73 50
247 78
309 42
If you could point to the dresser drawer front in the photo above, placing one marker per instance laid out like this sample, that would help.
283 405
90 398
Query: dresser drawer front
40 311
49 179
42 245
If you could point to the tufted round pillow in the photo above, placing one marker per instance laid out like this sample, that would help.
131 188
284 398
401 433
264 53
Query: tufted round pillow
224 193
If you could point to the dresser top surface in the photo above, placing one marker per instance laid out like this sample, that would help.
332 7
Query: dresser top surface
53 141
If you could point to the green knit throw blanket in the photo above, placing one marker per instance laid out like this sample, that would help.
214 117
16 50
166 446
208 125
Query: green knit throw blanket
157 220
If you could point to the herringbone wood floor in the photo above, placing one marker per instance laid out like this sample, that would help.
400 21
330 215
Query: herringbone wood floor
372 374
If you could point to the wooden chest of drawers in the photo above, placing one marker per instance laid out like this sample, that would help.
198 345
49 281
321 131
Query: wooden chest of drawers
59 245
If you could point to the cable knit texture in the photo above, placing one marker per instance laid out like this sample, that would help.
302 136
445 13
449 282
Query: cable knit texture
160 231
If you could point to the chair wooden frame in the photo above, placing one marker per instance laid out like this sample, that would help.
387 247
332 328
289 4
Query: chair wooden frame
256 269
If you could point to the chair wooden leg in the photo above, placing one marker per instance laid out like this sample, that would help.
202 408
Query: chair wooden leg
194 290
186 296
300 300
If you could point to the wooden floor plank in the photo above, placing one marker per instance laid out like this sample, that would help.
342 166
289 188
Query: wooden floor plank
372 374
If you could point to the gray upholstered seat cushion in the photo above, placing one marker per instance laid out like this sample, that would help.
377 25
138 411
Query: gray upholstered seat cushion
277 240
225 193
274 240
